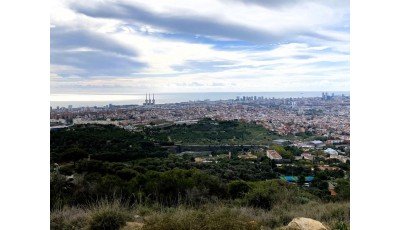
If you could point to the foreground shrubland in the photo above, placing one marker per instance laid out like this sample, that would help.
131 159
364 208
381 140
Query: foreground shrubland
104 177
115 215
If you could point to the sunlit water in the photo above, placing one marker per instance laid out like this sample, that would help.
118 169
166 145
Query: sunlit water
77 100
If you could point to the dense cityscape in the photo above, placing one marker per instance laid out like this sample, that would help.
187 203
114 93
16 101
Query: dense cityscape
325 116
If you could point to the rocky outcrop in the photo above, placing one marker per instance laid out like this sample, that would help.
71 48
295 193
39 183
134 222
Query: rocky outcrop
301 223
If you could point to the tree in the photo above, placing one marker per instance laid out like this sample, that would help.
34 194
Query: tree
286 154
238 188
302 180
343 189
60 190
73 154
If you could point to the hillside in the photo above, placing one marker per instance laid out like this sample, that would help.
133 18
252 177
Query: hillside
211 132
105 173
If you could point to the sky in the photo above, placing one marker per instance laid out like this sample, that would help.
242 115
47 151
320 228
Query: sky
167 46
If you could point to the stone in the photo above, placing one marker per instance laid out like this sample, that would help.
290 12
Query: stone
301 223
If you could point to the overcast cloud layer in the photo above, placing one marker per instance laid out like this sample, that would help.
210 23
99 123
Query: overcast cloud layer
119 47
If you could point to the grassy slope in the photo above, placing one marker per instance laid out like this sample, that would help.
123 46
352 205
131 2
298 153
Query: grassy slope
208 132
208 216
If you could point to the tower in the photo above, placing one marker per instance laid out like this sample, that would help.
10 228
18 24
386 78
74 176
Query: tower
154 101
146 101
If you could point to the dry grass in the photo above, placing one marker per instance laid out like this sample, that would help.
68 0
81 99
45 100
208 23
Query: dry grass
328 213
209 216
103 213
223 217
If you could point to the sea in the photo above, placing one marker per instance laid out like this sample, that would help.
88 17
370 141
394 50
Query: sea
83 100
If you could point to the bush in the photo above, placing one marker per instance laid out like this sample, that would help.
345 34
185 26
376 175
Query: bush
108 215
73 154
102 215
343 189
260 199
60 191
127 174
67 170
68 218
237 189
266 194
107 220
340 226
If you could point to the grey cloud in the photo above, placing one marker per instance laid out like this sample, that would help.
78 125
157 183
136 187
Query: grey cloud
96 63
196 24
269 3
68 38
80 88
288 3
200 66
302 56
104 57
193 24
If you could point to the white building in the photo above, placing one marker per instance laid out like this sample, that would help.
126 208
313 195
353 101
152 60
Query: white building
331 151
307 156
317 143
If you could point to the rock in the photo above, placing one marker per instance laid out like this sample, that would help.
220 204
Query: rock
301 223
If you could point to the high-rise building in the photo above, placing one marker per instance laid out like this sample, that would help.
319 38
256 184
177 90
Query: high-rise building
154 101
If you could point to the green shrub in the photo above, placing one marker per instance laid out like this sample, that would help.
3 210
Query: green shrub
266 194
237 189
107 220
107 215
104 214
259 198
67 170
340 226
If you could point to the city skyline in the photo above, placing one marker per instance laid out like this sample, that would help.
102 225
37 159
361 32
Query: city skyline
84 100
123 47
